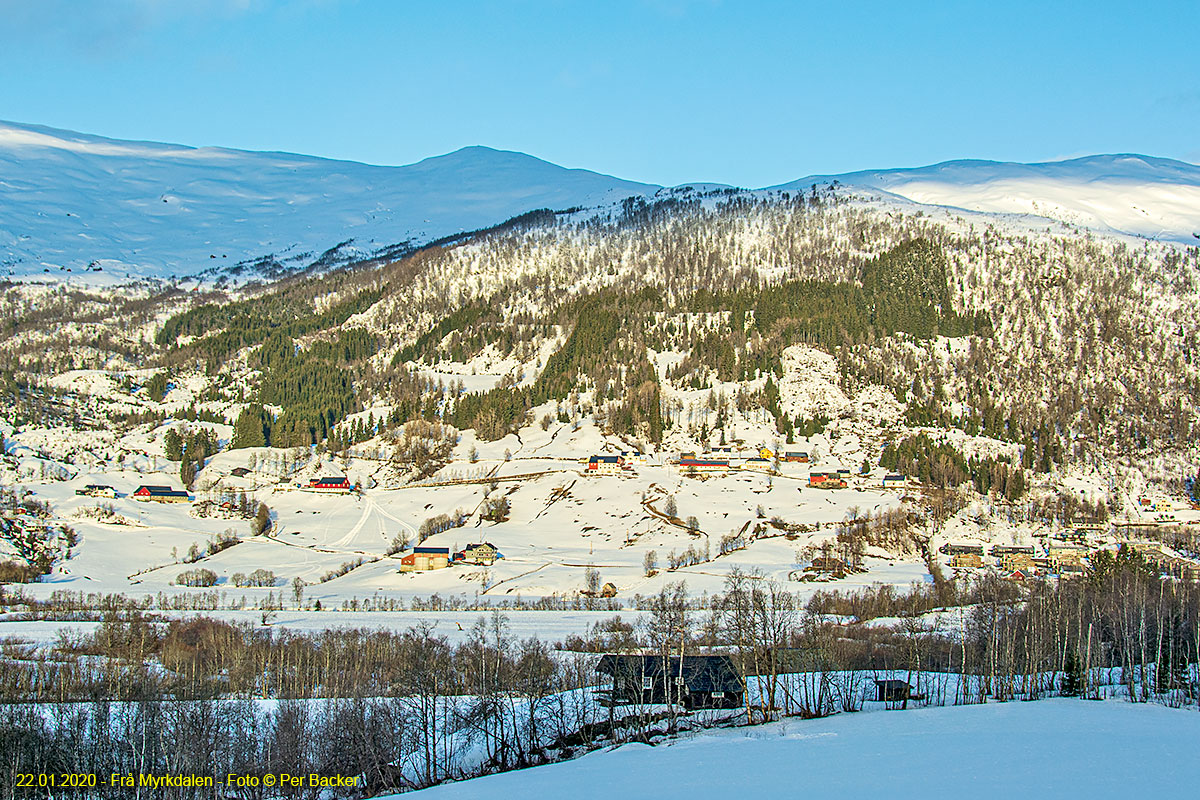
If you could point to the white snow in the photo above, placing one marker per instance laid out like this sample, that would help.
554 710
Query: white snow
1156 198
1047 748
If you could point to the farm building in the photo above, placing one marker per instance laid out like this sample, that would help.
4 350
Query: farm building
693 681
484 553
699 465
826 480
890 691
796 457
422 559
605 465
894 480
759 464
828 564
160 494
338 485
97 490
239 472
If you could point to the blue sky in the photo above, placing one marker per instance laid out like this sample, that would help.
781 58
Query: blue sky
665 91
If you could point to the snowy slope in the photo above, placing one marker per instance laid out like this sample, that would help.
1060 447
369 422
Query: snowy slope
1049 748
1156 198
67 199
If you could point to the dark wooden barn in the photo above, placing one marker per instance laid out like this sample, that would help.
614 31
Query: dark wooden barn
693 681
893 691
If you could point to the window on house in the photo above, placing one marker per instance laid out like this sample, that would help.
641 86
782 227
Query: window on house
647 682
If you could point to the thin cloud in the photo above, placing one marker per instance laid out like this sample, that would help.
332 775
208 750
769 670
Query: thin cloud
103 29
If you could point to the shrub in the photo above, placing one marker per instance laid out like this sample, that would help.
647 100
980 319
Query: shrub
196 577
342 570
260 577
16 572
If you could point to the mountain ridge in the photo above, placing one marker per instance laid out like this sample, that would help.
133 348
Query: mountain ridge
123 210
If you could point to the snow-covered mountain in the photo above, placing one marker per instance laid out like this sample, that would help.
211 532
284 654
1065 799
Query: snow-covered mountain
148 209
1155 198
110 210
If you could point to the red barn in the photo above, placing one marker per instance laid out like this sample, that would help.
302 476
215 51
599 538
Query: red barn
338 484
161 494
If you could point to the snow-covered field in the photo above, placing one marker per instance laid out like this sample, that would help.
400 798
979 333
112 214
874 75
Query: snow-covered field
455 626
1048 748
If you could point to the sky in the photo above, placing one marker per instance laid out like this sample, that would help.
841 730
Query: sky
662 91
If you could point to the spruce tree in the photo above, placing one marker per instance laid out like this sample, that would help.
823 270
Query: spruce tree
1072 682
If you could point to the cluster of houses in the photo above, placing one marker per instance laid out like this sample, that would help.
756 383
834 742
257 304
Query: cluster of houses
424 559
1174 566
1062 558
1020 562
721 460
622 462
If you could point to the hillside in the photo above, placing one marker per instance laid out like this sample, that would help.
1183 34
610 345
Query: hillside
1022 379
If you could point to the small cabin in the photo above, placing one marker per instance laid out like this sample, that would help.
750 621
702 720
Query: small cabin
891 691
239 472
895 480
692 681
608 590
